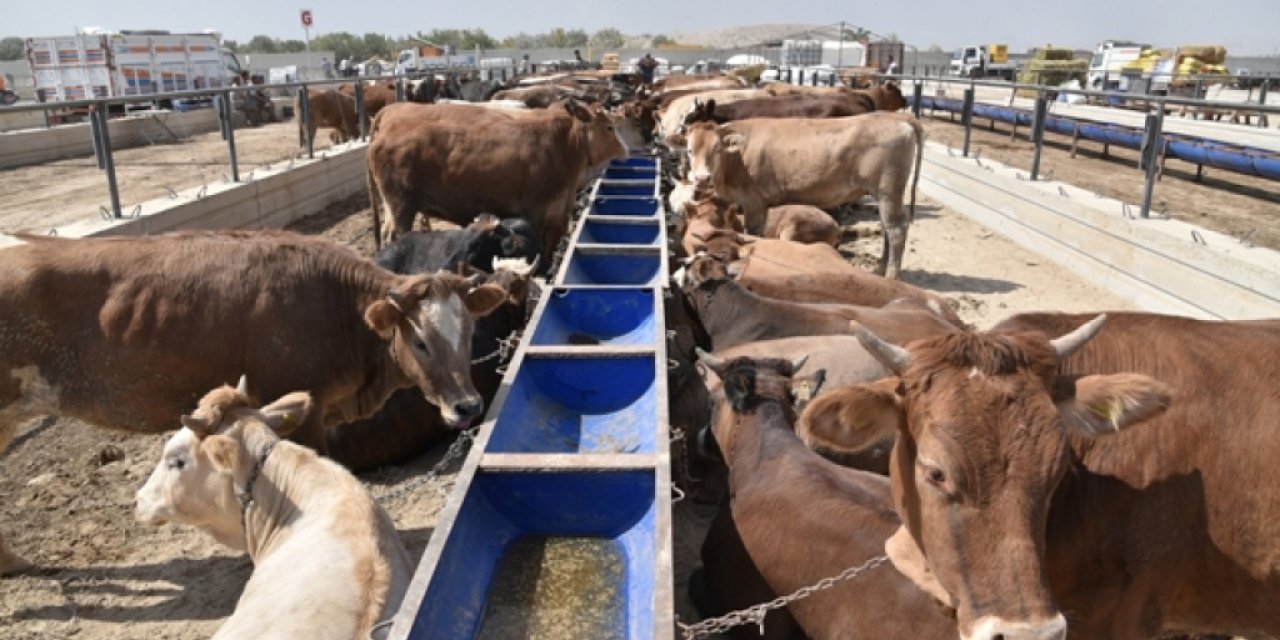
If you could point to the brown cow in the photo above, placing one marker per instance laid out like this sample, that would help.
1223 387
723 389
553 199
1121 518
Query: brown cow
697 82
801 223
789 106
825 163
1029 487
128 333
328 108
796 518
376 96
456 162
732 315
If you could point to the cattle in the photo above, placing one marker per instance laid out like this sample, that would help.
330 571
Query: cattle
792 223
430 89
473 90
827 163
802 223
672 111
456 162
126 333
545 95
492 104
1119 467
732 315
796 518
329 109
790 106
703 216
328 562
814 273
480 244
376 96
698 82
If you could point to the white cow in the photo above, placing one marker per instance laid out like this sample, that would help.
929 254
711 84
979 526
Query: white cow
328 563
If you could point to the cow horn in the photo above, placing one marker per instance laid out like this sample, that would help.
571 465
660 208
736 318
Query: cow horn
519 266
199 426
716 364
799 363
242 387
1068 344
396 299
890 355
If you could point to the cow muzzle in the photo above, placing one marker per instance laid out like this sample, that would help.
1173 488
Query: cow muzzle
461 415
993 628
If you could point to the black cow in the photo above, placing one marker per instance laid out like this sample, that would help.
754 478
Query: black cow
478 90
486 239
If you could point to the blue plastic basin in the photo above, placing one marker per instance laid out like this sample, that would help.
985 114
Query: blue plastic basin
502 507
619 232
612 317
612 265
580 404
624 206
627 188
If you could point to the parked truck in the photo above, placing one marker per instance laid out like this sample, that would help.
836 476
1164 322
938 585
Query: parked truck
427 57
983 61
128 63
1108 63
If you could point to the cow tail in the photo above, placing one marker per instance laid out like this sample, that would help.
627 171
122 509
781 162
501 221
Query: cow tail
915 180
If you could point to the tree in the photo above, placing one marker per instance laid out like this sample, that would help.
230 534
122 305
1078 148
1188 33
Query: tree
460 39
892 38
12 49
292 46
855 34
344 45
261 44
661 39
609 38
231 45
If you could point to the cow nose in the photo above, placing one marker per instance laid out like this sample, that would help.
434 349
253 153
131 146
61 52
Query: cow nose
991 628
701 179
468 409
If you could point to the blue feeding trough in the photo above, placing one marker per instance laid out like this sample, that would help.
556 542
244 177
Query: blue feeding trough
536 554
613 264
620 230
559 525
624 206
587 404
592 316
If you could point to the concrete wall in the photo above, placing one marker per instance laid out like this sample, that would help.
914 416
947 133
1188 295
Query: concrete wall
1156 263
275 198
35 146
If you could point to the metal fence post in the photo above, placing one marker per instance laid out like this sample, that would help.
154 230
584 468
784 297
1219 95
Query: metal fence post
222 102
966 117
1151 156
917 97
101 132
1262 99
304 120
359 87
1037 132
400 89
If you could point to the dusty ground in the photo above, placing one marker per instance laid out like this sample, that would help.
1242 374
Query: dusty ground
1223 201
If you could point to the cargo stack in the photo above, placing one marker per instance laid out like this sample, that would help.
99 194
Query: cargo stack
1201 60
1051 66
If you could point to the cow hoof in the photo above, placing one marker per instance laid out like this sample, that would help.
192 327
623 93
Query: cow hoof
11 564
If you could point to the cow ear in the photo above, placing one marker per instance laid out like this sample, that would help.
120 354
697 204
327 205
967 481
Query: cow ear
576 110
288 413
852 419
734 142
1103 404
907 559
482 300
382 317
710 107
738 385
223 452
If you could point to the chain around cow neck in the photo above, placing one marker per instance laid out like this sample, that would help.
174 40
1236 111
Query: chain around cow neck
246 498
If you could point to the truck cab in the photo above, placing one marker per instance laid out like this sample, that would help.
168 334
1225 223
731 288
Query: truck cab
1108 60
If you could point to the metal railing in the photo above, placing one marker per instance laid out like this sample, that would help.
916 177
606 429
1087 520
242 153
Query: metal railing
1153 131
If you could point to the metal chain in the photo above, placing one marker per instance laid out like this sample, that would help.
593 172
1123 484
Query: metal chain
755 614
505 347
455 450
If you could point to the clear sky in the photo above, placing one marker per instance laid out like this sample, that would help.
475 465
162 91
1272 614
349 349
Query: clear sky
1245 27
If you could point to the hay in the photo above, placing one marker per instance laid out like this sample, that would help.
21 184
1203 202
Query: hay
1052 53
1050 73
1208 54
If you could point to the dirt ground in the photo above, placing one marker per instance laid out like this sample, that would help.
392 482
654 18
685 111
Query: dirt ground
1223 201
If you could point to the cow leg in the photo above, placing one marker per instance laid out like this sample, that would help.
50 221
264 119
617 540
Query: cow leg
895 225
11 563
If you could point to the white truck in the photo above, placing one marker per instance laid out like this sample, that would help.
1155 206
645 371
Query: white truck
983 61
127 63
1108 60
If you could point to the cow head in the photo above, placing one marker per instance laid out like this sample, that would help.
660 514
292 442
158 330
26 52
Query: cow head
428 321
495 239
596 133
983 424
889 97
201 466
745 384
709 148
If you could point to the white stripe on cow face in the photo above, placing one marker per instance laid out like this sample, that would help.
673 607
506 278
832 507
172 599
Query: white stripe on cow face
446 317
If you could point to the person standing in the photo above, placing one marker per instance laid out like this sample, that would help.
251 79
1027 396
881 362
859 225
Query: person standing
327 67
892 67
647 65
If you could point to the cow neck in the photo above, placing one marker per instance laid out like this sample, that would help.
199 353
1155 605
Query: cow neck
266 509
739 316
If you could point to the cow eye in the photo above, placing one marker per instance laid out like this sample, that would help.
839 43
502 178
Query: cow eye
419 345
177 464
935 476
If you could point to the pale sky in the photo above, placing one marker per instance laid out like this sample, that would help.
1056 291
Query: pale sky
1245 27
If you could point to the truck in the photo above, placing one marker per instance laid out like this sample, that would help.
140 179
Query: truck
429 56
97 64
1107 64
983 61
7 95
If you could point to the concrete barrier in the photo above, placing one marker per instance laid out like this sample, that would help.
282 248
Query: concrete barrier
1161 265
273 199
36 146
